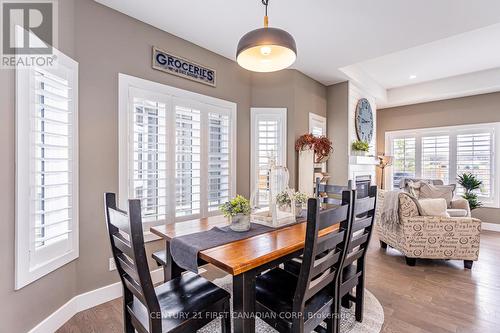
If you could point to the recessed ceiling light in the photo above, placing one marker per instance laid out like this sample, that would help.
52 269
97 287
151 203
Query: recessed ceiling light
413 77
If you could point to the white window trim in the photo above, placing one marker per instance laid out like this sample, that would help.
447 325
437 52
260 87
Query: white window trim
255 113
452 131
317 119
26 272
126 82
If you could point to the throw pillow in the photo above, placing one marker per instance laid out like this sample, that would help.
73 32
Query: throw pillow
434 207
429 191
414 188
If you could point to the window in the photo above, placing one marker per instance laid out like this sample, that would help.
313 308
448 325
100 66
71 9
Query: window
47 169
447 152
403 150
317 125
177 151
268 143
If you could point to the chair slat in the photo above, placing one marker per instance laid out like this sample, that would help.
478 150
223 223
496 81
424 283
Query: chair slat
123 245
364 205
119 220
359 224
332 216
128 266
331 201
352 257
329 241
319 283
134 288
358 241
323 264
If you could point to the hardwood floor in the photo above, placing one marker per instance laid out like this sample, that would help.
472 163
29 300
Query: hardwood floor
432 297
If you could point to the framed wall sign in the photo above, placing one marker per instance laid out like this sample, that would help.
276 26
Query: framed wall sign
167 62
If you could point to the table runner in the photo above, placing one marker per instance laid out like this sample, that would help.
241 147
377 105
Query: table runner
185 249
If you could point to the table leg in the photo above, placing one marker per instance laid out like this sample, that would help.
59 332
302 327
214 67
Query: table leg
171 270
244 302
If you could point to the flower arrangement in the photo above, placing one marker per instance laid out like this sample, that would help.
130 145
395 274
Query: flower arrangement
360 145
470 183
300 198
238 205
283 198
322 146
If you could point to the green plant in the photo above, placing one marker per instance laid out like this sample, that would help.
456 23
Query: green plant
300 198
360 145
283 199
470 183
238 205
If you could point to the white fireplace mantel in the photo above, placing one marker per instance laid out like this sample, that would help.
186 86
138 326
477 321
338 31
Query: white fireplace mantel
363 160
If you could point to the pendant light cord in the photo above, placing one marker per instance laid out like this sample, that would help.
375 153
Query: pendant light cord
266 19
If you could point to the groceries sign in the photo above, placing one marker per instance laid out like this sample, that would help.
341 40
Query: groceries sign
167 62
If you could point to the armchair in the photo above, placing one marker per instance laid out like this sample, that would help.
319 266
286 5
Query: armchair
429 237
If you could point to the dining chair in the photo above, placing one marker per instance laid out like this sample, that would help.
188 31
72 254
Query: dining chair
184 304
300 303
353 273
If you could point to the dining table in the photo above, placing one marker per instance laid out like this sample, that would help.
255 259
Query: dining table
244 259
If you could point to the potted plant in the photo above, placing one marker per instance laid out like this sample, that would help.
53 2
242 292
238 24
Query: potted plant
284 201
322 146
300 200
470 183
360 147
237 211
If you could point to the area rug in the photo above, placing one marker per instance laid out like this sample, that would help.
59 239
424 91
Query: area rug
372 321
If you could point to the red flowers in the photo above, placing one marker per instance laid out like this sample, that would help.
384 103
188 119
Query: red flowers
322 146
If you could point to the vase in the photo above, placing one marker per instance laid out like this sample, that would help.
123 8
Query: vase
298 210
240 223
359 153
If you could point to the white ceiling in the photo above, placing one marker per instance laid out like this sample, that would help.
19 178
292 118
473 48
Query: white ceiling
332 34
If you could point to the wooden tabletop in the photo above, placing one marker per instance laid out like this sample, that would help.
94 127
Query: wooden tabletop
243 255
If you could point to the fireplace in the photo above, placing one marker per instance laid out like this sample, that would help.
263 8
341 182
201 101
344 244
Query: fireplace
363 183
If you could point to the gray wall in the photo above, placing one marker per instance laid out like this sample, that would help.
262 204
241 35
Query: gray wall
458 111
106 43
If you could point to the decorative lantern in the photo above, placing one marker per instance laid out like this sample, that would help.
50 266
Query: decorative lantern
280 208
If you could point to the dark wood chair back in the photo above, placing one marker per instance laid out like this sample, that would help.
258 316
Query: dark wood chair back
362 226
324 251
127 244
333 192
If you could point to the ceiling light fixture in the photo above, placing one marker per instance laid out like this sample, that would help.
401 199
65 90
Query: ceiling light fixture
413 77
266 49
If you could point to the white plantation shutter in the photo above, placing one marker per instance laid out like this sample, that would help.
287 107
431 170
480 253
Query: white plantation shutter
187 161
148 155
47 169
176 151
436 157
317 125
268 142
475 156
403 150
219 160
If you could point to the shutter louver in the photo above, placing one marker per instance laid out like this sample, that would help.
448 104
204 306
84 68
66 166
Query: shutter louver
148 180
436 158
404 159
187 161
268 147
474 155
218 160
53 159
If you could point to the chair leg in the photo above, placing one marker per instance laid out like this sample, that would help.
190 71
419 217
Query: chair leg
468 264
127 320
226 320
360 298
411 261
383 245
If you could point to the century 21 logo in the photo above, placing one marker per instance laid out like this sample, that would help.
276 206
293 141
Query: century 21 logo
36 20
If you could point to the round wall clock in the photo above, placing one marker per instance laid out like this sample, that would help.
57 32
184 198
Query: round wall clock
364 120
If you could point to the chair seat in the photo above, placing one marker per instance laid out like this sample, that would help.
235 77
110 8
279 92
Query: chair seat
457 212
275 291
180 299
160 257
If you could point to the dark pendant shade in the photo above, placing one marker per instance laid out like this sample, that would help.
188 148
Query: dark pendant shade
266 50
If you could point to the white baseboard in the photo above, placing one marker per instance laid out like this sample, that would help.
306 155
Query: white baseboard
83 302
490 226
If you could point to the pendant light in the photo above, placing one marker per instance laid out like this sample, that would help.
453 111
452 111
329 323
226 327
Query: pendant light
266 49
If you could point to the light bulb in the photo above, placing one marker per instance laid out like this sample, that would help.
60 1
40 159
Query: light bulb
265 50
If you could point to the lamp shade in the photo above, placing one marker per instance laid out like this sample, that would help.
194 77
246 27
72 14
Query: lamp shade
266 50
